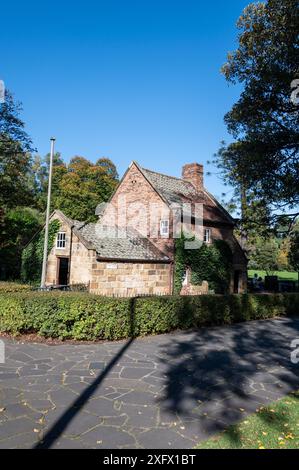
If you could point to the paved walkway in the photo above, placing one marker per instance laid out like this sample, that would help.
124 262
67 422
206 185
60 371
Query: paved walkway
168 391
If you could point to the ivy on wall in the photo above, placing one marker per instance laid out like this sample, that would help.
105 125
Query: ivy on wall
212 263
32 257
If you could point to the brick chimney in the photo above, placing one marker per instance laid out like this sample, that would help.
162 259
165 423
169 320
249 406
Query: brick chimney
193 172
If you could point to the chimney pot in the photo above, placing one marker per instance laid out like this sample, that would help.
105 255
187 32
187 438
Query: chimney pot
193 172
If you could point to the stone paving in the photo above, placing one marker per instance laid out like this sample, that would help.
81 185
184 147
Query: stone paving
168 391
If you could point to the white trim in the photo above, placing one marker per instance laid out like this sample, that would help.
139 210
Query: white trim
61 241
164 228
207 235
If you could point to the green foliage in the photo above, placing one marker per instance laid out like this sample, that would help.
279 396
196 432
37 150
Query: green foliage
212 263
15 158
265 255
32 256
77 188
82 316
294 251
263 159
17 227
6 287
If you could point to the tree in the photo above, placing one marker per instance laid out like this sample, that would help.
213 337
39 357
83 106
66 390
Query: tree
16 228
263 160
17 222
40 173
294 252
81 186
15 156
265 256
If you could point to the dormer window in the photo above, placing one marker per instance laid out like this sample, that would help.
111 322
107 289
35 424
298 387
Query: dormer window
207 235
164 228
61 240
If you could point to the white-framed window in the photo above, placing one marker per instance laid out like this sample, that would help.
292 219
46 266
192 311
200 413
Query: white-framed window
164 228
61 240
207 235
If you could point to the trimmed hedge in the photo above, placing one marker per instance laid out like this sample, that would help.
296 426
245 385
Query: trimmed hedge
83 316
13 287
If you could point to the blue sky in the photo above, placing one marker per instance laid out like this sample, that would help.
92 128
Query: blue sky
130 80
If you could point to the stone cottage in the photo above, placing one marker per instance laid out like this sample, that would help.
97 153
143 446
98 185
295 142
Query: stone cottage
130 250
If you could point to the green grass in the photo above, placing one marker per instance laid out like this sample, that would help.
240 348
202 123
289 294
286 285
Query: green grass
282 275
273 427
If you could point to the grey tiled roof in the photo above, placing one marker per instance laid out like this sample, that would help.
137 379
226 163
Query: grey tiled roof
172 189
120 243
177 191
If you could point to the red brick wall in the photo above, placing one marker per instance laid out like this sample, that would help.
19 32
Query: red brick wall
133 201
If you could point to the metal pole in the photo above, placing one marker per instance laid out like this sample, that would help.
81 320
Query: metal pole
44 269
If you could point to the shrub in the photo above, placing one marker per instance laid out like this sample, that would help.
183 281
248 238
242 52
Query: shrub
32 256
13 287
81 316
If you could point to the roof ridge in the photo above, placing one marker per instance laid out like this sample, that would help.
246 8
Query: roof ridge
167 176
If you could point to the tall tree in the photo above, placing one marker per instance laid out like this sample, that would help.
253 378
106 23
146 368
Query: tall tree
264 159
78 187
15 156
294 249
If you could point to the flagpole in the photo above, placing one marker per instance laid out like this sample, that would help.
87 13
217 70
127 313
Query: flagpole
44 268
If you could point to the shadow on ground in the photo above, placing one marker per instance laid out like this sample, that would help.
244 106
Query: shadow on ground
216 376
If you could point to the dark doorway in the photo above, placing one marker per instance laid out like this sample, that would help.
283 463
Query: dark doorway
236 281
63 271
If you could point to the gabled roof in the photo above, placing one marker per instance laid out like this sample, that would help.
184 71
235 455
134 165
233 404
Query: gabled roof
178 191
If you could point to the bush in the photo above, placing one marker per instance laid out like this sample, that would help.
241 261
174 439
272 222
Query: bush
13 287
81 316
32 256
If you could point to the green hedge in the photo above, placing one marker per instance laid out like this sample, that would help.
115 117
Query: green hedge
13 287
83 316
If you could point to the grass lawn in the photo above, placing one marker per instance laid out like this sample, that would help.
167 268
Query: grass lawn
282 275
273 427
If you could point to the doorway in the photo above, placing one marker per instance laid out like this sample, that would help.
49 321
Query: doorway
63 271
236 282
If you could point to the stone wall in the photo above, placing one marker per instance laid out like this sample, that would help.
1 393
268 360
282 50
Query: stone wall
82 260
130 279
55 253
190 289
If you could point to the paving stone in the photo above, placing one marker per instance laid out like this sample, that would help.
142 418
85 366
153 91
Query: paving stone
134 373
5 376
140 416
163 439
139 398
97 365
20 441
105 437
168 391
16 426
100 407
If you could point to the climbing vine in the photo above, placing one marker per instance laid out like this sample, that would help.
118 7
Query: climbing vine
32 257
212 263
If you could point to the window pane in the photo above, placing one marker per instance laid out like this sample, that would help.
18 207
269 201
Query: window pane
61 238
